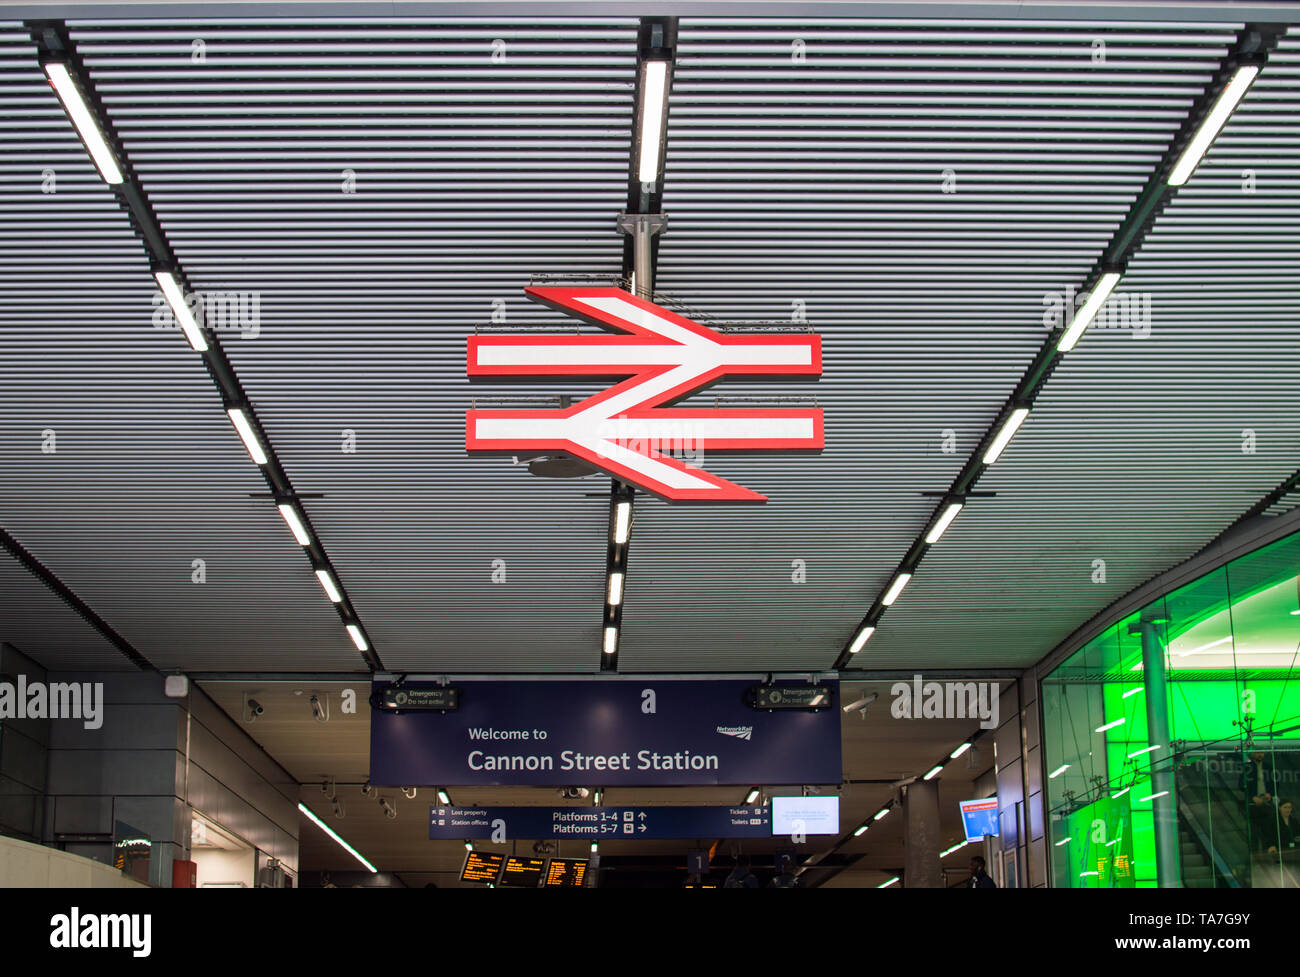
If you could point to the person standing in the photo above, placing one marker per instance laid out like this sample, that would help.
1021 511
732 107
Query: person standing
979 878
1259 777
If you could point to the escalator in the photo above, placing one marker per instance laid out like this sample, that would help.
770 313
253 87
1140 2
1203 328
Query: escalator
1216 846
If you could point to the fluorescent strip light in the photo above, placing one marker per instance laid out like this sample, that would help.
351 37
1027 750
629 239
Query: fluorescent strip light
330 831
1100 293
959 751
1062 842
358 638
1121 793
1132 692
1140 752
861 831
880 814
654 92
934 772
594 847
1058 771
1152 797
1084 875
596 797
79 112
752 796
246 433
172 291
948 851
622 521
295 524
327 582
1214 121
1197 650
611 640
444 798
1016 418
896 588
615 588
945 520
889 883
861 639
468 846
1117 722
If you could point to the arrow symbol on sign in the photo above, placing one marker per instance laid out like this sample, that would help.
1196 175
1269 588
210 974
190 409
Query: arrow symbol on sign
665 357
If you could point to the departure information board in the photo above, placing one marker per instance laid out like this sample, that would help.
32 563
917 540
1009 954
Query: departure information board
482 866
566 873
523 871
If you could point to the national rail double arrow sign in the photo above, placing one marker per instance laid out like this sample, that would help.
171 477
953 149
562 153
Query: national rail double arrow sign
623 429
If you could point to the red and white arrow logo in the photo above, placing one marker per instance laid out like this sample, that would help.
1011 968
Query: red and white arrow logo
665 357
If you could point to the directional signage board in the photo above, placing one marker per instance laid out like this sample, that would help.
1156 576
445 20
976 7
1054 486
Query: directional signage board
596 823
627 430
617 732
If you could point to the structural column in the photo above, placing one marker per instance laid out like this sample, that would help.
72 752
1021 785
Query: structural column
921 868
1164 807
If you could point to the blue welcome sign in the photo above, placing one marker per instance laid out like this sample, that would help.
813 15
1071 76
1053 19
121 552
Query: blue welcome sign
606 733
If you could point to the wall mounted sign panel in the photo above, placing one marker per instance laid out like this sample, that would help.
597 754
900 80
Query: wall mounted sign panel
606 734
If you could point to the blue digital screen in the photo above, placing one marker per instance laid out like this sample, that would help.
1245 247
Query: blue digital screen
980 818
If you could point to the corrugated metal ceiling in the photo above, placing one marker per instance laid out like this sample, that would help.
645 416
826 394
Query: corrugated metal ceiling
811 186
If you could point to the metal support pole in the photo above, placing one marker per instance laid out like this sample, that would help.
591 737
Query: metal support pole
641 261
643 228
1164 807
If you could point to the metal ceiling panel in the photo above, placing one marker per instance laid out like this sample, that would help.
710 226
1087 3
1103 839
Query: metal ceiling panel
40 625
120 467
384 188
806 175
1150 438
483 154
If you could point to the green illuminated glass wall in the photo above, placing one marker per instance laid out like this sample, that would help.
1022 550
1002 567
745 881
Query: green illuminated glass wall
1227 645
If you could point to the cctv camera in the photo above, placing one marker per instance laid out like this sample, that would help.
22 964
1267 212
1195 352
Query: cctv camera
317 710
410 792
862 703
252 709
389 810
366 789
573 793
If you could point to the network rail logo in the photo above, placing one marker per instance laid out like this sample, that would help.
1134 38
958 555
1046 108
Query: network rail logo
739 732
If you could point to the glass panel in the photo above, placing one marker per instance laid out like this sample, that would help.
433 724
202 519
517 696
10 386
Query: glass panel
1224 649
